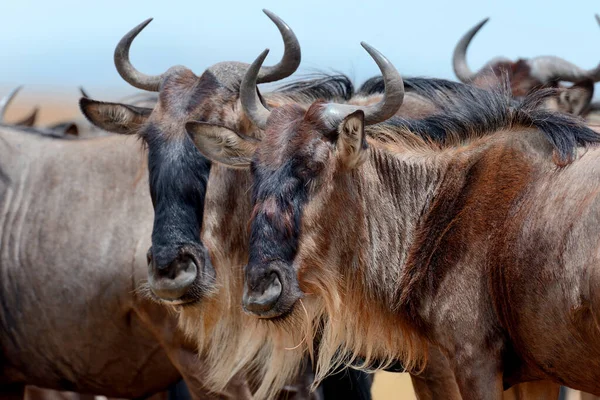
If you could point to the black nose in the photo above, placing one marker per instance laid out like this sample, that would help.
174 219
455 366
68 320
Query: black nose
172 281
261 296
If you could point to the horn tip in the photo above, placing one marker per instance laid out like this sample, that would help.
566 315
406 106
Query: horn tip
373 51
142 25
366 45
16 90
482 23
264 53
269 13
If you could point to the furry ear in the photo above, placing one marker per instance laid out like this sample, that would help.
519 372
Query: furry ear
114 117
577 98
351 142
221 144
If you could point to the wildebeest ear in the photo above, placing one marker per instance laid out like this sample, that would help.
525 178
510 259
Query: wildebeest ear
29 120
577 98
114 117
221 144
351 144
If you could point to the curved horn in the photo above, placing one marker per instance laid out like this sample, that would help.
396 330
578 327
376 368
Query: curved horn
389 105
291 55
126 69
251 103
549 68
6 100
459 59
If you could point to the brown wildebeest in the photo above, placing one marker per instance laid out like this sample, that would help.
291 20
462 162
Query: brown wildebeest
72 255
225 211
180 271
475 245
525 75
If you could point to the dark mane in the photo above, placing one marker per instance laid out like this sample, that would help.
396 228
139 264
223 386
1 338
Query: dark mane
469 112
319 87
419 85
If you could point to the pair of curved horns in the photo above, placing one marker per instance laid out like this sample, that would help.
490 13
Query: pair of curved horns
544 68
287 66
332 113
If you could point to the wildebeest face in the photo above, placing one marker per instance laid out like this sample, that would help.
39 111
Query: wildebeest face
179 268
292 167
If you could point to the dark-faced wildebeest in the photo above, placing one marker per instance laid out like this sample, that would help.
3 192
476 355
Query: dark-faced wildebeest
526 75
482 244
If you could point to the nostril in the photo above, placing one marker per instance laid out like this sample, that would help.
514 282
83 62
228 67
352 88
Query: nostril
149 256
263 296
173 280
176 268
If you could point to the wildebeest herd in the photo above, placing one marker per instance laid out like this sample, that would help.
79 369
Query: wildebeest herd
293 241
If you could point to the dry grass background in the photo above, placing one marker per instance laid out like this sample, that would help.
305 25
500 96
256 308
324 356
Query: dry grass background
392 386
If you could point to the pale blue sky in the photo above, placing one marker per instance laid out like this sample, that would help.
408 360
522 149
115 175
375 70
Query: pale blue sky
64 44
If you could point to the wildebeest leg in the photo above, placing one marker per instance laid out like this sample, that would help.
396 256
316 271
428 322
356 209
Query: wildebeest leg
437 380
539 390
478 374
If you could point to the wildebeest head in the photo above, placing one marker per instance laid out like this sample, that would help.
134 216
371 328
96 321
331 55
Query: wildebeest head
525 75
287 167
180 270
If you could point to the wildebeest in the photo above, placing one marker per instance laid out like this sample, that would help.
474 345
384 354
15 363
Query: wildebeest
387 242
62 130
72 257
525 75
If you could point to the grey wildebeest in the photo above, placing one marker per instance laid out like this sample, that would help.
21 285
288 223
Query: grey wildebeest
387 243
525 75
180 272
68 130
